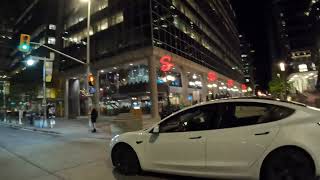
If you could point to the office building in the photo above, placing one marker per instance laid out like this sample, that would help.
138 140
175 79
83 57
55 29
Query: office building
146 52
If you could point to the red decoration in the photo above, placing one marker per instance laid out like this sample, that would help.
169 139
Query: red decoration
230 83
243 87
166 63
212 76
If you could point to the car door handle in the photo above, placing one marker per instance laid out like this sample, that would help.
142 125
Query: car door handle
197 137
260 134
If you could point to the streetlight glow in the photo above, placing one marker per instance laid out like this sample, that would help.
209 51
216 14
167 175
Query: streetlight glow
282 66
30 62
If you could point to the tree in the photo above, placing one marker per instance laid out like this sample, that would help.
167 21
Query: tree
278 86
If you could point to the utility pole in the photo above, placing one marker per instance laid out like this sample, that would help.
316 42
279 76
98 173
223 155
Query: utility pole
4 102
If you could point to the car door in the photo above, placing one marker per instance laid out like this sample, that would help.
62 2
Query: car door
180 145
245 131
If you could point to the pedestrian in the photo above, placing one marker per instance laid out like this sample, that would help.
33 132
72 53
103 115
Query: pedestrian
94 116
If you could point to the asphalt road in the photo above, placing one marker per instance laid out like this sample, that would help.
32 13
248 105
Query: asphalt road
34 156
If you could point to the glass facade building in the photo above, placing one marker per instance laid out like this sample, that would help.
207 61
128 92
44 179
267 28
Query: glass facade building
126 36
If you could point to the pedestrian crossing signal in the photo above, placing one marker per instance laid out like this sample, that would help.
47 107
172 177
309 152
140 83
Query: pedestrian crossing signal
24 44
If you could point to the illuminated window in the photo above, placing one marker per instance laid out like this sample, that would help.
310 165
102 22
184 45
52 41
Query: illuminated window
52 26
103 24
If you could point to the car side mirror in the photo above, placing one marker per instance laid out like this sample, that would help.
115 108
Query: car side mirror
156 130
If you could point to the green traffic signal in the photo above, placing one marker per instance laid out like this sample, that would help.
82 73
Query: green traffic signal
24 44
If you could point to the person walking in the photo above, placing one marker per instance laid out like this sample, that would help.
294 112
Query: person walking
94 116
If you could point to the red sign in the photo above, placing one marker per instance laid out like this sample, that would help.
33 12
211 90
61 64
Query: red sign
212 76
166 63
243 87
230 83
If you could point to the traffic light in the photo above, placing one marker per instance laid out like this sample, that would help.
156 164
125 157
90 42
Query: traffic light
91 80
24 44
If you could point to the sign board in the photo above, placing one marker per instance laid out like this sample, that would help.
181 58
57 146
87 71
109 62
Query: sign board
49 70
166 63
6 88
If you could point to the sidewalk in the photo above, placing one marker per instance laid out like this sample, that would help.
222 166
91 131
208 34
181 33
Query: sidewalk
106 127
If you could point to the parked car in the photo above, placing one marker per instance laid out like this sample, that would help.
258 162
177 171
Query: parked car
246 138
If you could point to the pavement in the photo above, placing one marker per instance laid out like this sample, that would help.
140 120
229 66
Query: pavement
106 127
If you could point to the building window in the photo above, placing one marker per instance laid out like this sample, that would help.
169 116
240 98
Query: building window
102 25
52 40
52 27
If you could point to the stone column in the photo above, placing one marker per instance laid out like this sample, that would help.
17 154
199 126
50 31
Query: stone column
77 97
184 83
66 99
204 90
153 87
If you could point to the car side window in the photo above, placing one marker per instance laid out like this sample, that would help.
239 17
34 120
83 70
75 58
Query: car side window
247 113
195 119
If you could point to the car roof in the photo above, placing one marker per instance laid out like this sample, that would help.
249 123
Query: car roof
290 104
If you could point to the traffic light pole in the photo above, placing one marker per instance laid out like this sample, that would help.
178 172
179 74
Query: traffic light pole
59 52
4 102
44 92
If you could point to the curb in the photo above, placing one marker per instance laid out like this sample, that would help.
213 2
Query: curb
30 129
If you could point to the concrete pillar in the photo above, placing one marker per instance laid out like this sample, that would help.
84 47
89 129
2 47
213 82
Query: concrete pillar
153 87
76 97
184 83
66 99
204 90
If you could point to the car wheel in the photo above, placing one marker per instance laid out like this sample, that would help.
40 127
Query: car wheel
288 164
125 160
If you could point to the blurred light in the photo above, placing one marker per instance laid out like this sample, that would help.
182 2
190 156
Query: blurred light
30 62
170 78
102 71
194 76
25 47
282 66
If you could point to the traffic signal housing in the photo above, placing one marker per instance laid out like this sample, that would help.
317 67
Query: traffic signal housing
91 80
24 44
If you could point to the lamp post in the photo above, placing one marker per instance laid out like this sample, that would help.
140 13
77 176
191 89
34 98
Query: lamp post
30 62
88 72
4 101
282 67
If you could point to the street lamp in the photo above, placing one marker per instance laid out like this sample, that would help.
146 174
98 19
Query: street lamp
88 44
283 69
30 62
282 66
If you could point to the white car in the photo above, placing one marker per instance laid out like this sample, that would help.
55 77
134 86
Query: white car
246 138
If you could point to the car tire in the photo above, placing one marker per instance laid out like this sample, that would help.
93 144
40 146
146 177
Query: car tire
125 160
291 164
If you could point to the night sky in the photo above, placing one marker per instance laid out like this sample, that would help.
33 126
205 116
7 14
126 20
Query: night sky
252 17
